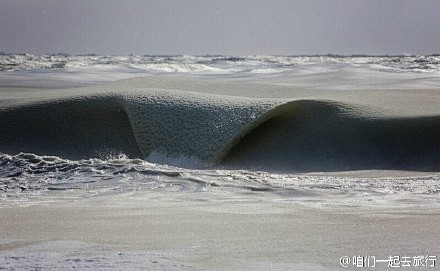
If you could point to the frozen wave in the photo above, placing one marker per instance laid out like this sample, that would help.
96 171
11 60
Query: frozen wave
283 137
145 117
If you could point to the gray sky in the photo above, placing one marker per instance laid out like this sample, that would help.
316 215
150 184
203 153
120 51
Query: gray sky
233 27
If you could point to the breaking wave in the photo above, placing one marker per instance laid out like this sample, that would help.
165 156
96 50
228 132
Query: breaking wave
196 129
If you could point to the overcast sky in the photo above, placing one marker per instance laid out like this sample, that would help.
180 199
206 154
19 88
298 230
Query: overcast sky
232 27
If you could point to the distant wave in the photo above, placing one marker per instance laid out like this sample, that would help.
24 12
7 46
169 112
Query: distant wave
218 130
216 64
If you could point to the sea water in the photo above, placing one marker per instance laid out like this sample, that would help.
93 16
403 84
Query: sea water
343 140
216 162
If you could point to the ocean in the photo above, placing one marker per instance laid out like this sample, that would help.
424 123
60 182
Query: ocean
332 134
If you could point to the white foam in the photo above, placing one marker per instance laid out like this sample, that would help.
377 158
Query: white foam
178 160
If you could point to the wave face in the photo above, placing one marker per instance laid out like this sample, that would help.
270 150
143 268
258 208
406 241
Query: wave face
189 124
238 132
76 129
